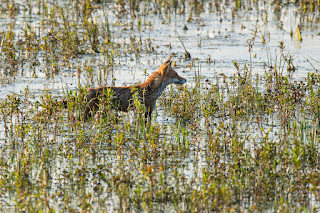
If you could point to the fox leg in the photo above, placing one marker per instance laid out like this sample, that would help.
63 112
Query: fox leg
148 113
147 116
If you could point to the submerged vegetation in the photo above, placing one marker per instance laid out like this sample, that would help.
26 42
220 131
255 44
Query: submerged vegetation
245 139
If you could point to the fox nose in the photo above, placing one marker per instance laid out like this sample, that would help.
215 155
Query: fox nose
183 81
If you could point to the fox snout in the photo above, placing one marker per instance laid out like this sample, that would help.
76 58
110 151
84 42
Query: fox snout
181 81
177 79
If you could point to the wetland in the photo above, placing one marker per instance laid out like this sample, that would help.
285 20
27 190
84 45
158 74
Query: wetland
240 136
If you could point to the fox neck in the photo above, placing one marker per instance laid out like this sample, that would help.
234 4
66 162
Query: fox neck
154 86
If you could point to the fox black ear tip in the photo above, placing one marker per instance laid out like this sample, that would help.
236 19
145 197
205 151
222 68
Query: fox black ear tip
168 60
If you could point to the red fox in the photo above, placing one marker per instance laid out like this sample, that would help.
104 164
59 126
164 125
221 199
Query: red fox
148 92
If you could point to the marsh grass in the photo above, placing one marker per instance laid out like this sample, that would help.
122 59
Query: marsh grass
219 151
241 142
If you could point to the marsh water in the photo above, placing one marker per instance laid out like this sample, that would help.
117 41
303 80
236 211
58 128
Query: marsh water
52 48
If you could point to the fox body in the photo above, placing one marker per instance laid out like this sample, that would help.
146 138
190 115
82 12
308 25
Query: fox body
148 92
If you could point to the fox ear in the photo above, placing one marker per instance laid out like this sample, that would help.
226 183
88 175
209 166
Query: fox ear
168 60
166 66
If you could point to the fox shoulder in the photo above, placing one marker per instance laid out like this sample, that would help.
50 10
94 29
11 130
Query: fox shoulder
90 90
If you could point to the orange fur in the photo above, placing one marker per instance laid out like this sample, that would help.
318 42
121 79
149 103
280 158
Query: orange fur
148 92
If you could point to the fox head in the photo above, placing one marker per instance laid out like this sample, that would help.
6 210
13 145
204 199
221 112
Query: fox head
169 75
